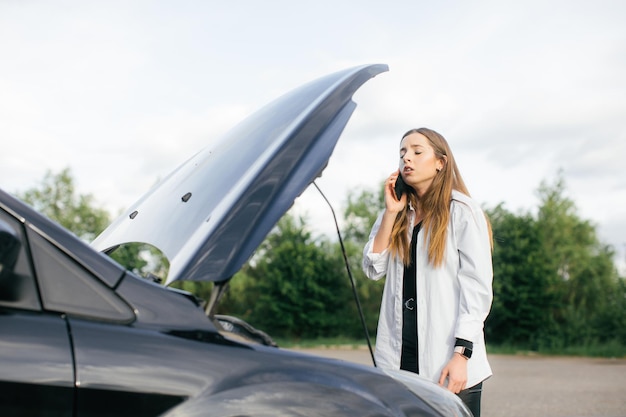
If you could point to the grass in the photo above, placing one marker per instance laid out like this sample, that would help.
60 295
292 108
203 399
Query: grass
612 349
322 342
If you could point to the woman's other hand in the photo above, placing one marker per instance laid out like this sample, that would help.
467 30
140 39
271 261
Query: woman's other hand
456 373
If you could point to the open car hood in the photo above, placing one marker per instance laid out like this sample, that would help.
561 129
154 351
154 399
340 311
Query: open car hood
211 213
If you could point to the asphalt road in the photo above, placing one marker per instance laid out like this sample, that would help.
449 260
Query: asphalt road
539 386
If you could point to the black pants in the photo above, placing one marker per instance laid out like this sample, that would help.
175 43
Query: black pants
471 397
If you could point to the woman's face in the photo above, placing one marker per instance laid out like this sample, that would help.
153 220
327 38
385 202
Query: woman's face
418 163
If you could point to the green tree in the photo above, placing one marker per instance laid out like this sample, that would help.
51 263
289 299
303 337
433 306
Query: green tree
295 286
586 277
360 213
524 298
555 284
56 198
362 209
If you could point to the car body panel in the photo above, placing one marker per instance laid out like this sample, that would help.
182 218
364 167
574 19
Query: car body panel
36 367
212 212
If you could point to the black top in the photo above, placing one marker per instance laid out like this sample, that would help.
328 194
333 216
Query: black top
408 360
408 285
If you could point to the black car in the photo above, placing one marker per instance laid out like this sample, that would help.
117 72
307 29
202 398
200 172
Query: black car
82 336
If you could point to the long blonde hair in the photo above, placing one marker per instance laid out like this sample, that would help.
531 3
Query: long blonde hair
434 204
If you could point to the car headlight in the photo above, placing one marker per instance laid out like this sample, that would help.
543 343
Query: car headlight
440 399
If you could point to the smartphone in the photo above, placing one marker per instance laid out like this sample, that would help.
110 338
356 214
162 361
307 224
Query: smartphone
400 187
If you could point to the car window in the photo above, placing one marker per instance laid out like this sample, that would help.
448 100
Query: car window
17 283
67 287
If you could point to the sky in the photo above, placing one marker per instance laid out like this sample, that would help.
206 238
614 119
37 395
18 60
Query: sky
122 92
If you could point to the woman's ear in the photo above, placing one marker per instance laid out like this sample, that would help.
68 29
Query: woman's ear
441 163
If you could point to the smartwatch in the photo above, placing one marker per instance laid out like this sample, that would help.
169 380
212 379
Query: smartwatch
464 351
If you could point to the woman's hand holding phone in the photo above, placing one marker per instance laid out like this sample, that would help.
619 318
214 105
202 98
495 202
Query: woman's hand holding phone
395 201
399 187
393 205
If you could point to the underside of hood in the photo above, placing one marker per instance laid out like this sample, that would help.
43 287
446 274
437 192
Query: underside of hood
211 213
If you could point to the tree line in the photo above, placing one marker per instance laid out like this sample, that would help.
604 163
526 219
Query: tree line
556 286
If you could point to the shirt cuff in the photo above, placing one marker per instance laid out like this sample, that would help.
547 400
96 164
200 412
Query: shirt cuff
464 343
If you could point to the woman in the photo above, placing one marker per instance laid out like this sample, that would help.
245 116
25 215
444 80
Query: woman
433 244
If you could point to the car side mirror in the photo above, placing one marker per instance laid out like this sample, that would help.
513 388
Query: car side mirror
9 249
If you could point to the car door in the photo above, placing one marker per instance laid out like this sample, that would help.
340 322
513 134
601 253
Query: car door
36 366
124 371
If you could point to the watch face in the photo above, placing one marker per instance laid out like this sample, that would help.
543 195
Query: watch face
467 352
463 351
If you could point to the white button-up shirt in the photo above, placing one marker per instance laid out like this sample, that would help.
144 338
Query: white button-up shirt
453 300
